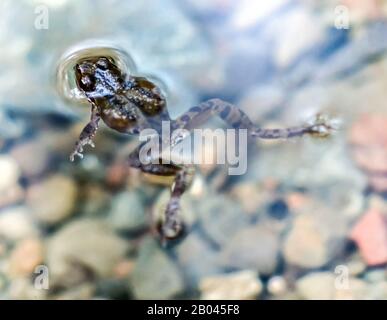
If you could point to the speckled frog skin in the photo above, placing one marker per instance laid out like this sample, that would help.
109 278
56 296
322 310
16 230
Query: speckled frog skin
130 104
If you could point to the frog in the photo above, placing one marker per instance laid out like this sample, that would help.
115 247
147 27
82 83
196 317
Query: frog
129 104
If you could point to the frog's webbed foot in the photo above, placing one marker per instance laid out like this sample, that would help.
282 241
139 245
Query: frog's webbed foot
172 226
86 136
78 149
322 126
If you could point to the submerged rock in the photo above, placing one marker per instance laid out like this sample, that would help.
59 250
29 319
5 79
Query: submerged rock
82 249
306 245
53 199
318 285
277 286
127 212
368 141
10 173
33 157
25 257
239 285
324 286
84 291
221 218
16 223
197 258
370 234
10 190
155 275
255 248
23 289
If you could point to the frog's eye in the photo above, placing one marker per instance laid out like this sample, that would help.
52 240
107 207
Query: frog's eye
103 63
84 68
87 83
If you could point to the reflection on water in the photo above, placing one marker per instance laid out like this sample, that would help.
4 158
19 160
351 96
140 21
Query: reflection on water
65 81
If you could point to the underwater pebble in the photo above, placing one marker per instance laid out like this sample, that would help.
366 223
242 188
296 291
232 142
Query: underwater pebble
10 190
316 286
32 157
377 291
3 248
116 174
319 231
2 284
94 199
356 265
357 289
112 289
306 245
221 217
368 132
364 11
84 291
296 200
123 268
376 275
254 248
10 173
11 196
378 183
368 140
16 223
197 258
370 234
25 257
23 289
88 244
240 285
277 286
127 212
326 286
155 275
53 199
344 197
250 196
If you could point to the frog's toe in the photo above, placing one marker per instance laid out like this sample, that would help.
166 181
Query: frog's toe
323 126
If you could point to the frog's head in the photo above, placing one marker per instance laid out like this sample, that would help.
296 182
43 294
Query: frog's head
98 77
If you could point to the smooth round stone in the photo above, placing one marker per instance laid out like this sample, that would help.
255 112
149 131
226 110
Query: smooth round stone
53 199
127 212
10 173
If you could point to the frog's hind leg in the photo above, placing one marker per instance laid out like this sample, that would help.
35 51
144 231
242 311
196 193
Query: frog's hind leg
237 119
171 226
87 134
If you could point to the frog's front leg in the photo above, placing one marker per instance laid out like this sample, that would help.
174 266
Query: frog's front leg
237 119
172 225
87 134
